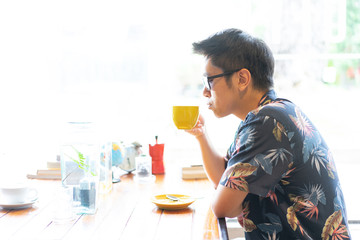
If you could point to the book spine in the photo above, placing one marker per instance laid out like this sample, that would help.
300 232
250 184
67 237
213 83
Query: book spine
50 177
48 172
55 165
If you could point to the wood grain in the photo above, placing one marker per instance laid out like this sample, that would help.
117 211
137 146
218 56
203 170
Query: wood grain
125 213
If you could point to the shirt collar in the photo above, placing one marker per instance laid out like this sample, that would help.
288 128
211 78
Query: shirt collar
268 97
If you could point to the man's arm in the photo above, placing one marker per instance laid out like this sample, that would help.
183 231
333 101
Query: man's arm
213 162
227 202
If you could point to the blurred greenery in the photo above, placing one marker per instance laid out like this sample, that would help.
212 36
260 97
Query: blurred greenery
348 69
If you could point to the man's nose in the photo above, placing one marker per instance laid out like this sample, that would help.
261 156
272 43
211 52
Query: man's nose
206 92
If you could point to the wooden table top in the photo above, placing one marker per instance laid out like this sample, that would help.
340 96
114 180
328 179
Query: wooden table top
125 213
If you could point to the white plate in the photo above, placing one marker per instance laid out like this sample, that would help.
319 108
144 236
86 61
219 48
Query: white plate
21 205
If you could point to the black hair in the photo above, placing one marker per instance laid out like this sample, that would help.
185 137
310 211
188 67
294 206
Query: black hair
233 49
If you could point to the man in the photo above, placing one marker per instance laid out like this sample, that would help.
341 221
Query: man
278 177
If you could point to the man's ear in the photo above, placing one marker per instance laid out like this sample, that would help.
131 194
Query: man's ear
243 78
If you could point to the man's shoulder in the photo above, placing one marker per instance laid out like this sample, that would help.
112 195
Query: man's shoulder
280 110
277 108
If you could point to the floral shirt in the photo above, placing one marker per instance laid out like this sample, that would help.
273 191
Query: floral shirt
282 162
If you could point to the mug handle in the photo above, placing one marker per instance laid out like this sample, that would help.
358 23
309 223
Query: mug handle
33 194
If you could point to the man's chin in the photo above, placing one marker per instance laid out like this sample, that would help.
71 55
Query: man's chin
217 114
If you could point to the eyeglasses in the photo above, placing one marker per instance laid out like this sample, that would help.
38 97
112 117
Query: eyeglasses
207 81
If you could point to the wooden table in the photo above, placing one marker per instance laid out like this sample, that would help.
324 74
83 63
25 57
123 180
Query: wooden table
125 213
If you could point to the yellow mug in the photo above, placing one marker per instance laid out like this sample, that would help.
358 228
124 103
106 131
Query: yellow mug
185 117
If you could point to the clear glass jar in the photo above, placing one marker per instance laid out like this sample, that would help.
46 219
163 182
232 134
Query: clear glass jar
80 160
105 184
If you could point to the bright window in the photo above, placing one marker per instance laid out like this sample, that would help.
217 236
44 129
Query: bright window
125 63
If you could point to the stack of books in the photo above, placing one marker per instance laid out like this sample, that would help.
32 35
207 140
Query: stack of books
193 172
53 171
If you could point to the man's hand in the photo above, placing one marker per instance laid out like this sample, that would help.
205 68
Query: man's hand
199 129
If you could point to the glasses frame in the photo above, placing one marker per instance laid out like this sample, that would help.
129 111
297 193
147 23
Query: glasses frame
207 80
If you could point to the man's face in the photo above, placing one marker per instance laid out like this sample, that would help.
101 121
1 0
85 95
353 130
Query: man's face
221 99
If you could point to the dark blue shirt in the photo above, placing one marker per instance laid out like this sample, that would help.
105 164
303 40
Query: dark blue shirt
282 162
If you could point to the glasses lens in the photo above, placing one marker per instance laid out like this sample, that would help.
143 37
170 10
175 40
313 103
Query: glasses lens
206 83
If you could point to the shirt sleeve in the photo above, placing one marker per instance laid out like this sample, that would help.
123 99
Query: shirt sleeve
259 156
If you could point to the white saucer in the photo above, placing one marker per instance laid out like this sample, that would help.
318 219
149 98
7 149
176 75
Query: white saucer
28 203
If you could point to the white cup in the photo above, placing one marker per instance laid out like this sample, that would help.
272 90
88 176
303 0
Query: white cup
17 193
